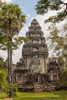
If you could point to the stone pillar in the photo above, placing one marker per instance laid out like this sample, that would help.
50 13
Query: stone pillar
57 77
39 79
51 77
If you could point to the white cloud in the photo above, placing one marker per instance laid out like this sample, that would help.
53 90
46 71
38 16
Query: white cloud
3 54
17 54
23 31
7 1
28 15
65 1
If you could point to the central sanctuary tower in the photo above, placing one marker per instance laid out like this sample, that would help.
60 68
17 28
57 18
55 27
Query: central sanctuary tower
33 72
35 52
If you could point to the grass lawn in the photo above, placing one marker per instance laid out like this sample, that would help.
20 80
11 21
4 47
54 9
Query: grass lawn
60 95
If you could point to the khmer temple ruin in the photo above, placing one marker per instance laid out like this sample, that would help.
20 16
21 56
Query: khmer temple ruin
35 71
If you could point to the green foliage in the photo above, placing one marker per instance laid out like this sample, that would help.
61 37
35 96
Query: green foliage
2 63
44 5
3 42
63 80
59 43
11 19
11 90
14 44
3 82
17 41
4 85
11 22
3 74
59 17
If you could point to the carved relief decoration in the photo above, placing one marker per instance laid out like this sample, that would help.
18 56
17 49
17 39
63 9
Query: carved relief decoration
35 66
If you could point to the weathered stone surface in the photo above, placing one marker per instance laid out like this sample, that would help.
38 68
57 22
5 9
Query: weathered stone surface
35 65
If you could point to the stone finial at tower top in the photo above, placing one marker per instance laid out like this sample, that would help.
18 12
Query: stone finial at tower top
34 22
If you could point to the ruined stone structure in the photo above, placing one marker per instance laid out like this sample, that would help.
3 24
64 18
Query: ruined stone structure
34 72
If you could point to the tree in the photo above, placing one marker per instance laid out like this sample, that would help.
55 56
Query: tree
63 80
3 81
11 22
2 63
58 42
44 5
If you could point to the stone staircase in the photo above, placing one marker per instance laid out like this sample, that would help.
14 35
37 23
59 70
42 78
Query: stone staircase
38 88
48 87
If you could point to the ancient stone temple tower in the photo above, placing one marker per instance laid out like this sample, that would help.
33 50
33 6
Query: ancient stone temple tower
33 72
35 53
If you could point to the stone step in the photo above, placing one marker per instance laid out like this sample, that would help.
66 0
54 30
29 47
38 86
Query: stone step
38 88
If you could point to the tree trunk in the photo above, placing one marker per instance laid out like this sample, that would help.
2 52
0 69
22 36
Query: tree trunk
10 70
11 61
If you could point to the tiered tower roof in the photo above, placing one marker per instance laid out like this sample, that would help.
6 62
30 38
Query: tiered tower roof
36 40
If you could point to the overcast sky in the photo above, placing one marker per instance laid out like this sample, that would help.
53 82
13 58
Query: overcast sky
28 9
